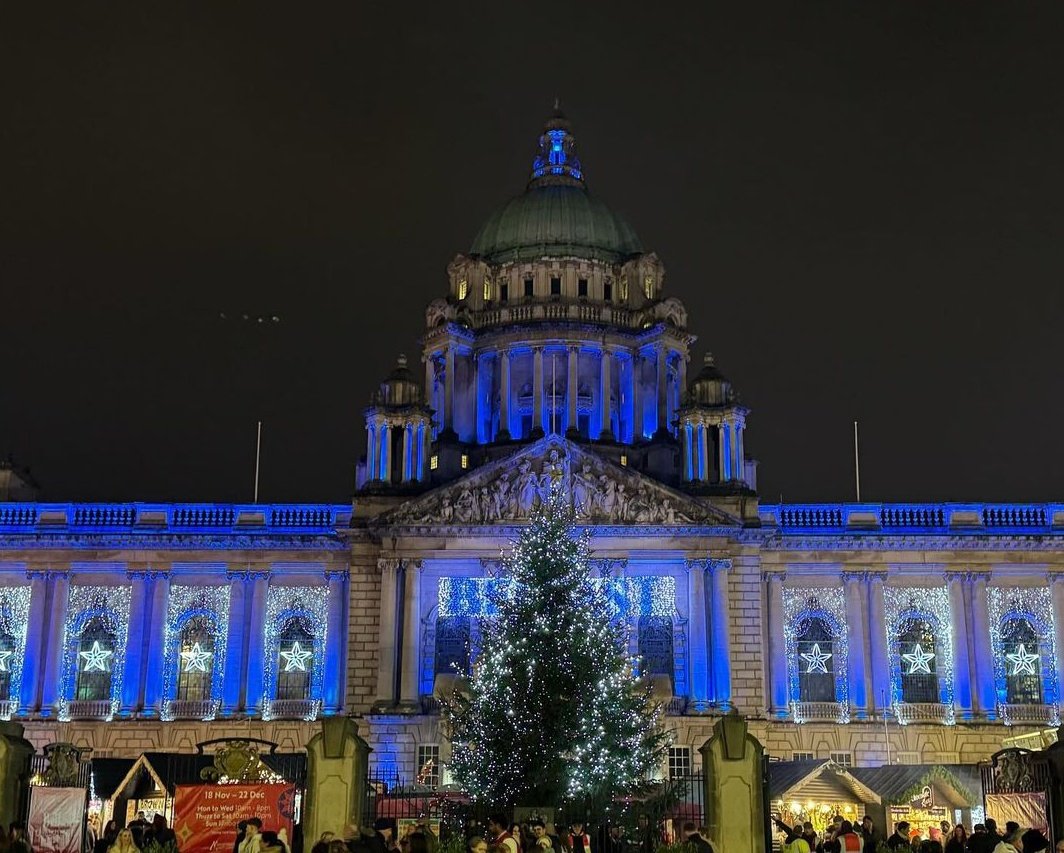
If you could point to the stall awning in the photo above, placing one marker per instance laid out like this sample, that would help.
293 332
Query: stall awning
958 785
821 780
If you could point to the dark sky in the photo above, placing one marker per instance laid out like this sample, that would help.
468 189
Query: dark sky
860 204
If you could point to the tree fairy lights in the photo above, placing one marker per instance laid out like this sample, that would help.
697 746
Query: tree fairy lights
309 608
1009 606
801 605
208 605
553 712
906 609
88 606
14 620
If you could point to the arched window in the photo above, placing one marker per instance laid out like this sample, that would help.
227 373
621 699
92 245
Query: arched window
1023 663
7 654
918 663
655 645
95 660
815 647
452 645
295 661
196 660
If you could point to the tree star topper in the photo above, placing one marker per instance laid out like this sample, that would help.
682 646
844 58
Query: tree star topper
919 660
96 658
296 658
196 658
818 660
1022 661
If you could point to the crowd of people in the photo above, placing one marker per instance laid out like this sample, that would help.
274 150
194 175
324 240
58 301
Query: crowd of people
842 836
139 834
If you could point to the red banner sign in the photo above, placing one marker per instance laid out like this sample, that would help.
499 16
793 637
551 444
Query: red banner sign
205 816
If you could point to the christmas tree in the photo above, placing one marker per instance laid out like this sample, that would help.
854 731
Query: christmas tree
553 712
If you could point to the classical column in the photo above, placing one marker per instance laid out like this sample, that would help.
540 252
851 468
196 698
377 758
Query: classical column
371 451
154 689
430 378
720 646
386 453
779 695
637 397
687 461
985 688
605 392
681 377
53 672
698 639
572 425
740 458
962 671
448 390
857 687
703 453
138 638
662 355
33 655
235 649
1056 581
410 686
426 451
406 452
478 404
537 391
386 643
260 584
504 395
333 676
877 644
722 451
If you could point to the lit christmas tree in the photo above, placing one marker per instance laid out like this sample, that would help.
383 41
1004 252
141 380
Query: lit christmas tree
554 712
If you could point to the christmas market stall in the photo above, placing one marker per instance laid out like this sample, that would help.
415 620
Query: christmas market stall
924 795
105 779
815 791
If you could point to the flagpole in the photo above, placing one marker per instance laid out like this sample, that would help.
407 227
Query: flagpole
857 461
258 450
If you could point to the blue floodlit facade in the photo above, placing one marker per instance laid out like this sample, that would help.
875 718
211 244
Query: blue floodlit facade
556 355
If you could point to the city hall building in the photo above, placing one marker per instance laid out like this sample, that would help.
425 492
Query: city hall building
559 351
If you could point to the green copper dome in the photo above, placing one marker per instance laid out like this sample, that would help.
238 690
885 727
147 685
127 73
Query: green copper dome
555 216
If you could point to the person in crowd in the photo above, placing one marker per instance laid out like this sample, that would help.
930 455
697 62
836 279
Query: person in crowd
957 840
124 843
578 840
931 845
694 840
322 846
617 842
333 846
251 841
1034 841
1059 847
419 842
1011 826
5 840
107 838
501 838
17 840
995 837
848 840
1011 842
385 830
900 839
542 839
947 829
647 838
477 844
869 834
160 832
241 831
518 835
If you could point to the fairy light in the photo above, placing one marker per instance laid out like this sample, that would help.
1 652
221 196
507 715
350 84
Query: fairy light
87 604
310 607
210 604
1008 605
905 608
14 622
800 606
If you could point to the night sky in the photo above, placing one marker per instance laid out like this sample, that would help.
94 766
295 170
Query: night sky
859 203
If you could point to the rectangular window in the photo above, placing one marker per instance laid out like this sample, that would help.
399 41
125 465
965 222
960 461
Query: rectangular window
607 291
529 287
463 289
581 287
487 290
802 756
434 462
465 460
504 291
843 759
555 286
624 459
679 762
428 765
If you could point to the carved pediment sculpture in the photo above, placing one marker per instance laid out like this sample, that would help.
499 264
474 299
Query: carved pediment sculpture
511 489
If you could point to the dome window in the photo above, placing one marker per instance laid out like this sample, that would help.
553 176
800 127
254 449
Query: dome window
463 289
555 285
607 291
648 286
623 290
529 287
581 288
487 290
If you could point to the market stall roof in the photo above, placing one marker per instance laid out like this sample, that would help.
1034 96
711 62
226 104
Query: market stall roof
108 775
822 778
960 784
170 769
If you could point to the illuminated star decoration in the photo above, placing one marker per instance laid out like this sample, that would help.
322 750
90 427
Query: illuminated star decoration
818 660
4 666
919 660
96 658
196 658
296 658
1022 661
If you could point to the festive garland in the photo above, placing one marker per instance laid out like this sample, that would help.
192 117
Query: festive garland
940 774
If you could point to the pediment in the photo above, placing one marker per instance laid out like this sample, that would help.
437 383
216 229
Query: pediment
599 491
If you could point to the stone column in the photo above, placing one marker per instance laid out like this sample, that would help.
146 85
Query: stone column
696 623
703 453
662 356
386 644
154 689
53 672
386 453
448 390
371 451
720 647
430 378
333 676
637 397
138 639
962 671
572 425
537 391
681 377
1056 581
260 584
34 652
877 644
857 686
779 694
426 437
235 648
410 693
985 690
740 456
407 461
722 451
478 398
605 391
504 395
687 453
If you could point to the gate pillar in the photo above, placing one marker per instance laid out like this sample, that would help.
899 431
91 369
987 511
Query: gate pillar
15 758
732 761
337 764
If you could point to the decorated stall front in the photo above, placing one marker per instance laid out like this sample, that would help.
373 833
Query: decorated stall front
816 791
923 795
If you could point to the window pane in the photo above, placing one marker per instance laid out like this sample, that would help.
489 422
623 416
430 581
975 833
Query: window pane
295 662
196 660
1023 663
919 664
428 764
94 662
679 761
816 661
452 644
655 645
7 654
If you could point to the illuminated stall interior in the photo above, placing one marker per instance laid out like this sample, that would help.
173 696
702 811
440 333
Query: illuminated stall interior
816 791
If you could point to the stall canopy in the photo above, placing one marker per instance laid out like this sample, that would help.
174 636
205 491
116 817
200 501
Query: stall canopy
957 786
816 791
